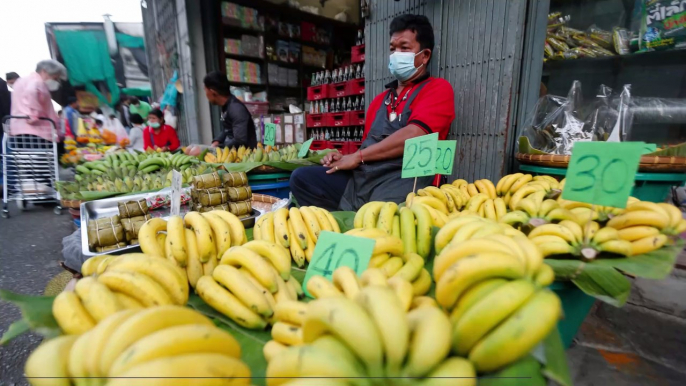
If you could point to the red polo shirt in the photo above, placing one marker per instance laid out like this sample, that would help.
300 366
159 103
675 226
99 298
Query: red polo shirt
167 137
433 109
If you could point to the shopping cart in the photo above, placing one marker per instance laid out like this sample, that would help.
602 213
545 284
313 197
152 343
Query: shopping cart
29 168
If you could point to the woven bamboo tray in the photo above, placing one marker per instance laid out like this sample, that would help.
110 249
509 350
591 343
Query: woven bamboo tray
649 163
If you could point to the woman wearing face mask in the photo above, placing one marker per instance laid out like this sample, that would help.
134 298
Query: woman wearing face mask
136 133
414 104
158 135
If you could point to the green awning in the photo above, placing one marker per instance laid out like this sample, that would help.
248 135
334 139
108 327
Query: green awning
137 91
130 41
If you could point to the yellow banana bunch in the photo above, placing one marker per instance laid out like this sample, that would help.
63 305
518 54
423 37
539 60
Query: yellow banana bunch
160 342
371 335
457 195
534 211
585 242
587 212
469 226
296 229
648 226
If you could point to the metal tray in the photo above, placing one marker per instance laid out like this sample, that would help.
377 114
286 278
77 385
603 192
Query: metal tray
93 210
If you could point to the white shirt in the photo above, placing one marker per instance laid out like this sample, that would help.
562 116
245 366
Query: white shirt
136 137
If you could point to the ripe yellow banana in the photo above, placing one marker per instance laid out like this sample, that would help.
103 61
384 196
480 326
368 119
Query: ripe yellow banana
267 228
257 229
351 324
554 230
322 220
547 206
208 268
506 182
147 236
371 215
258 266
127 302
96 298
446 234
297 252
454 368
287 334
299 227
346 281
272 349
428 347
640 217
292 312
475 202
620 247
90 266
358 221
310 363
391 266
77 358
225 302
320 288
450 256
137 285
98 338
403 291
161 240
605 234
387 313
203 235
250 295
489 210
70 314
295 287
374 276
473 269
545 276
521 194
386 215
489 312
529 206
334 224
423 301
311 222
422 284
637 232
220 230
468 231
576 230
395 228
176 238
473 295
648 244
408 230
472 190
335 347
424 225
180 370
674 214
506 343
370 233
460 182
412 268
515 218
275 253
163 272
519 182
194 268
47 364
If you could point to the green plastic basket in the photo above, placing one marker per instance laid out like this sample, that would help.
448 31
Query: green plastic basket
575 307
652 187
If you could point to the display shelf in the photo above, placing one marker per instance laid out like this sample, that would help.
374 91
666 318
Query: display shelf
243 84
235 29
228 55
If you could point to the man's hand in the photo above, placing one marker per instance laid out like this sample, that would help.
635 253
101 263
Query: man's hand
215 143
346 162
330 158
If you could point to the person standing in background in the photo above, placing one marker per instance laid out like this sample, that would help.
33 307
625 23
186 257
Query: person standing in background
158 134
5 101
136 132
139 107
11 77
238 128
71 112
124 115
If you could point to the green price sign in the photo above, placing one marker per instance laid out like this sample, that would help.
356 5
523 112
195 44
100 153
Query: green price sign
602 173
445 156
335 250
302 153
270 134
419 157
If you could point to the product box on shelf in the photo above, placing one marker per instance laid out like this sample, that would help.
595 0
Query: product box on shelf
315 120
336 119
355 87
316 93
356 118
357 54
337 90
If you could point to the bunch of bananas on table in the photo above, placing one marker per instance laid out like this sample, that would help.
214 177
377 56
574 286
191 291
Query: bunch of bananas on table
165 345
296 229
134 163
534 211
491 281
371 335
194 242
585 242
259 154
113 283
249 282
648 225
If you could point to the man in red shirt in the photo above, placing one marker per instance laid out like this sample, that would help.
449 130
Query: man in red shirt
159 135
414 104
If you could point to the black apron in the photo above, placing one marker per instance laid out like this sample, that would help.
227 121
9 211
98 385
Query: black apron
380 181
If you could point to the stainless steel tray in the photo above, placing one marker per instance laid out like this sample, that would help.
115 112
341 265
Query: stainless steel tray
93 210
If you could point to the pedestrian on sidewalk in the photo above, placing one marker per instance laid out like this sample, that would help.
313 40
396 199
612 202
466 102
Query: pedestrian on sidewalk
139 107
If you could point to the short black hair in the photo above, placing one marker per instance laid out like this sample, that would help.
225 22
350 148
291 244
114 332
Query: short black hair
137 119
418 24
218 82
134 100
11 76
158 113
98 111
71 100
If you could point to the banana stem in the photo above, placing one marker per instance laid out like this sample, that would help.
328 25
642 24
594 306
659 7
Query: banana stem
588 253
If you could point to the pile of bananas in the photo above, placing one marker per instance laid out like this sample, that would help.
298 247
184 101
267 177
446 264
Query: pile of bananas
249 282
371 335
259 154
166 345
648 226
142 162
194 242
115 283
296 229
492 285
585 242
534 211
586 212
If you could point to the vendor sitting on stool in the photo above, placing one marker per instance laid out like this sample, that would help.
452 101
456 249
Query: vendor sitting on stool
158 135
415 104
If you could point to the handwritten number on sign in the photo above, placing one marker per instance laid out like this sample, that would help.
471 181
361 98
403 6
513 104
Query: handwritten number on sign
615 166
413 153
620 185
589 173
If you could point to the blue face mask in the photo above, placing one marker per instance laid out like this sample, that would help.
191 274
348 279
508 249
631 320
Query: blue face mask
401 65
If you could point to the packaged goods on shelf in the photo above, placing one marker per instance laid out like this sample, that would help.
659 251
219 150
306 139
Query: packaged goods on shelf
251 46
233 70
232 46
293 52
238 15
663 25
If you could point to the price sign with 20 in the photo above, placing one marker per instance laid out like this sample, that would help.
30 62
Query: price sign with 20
419 157
335 250
270 134
602 173
445 156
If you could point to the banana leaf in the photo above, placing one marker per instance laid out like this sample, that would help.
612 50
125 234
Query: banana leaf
36 313
526 148
344 219
288 165
604 277
241 167
672 151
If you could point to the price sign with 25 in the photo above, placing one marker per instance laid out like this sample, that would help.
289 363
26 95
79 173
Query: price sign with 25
270 134
602 173
335 250
419 157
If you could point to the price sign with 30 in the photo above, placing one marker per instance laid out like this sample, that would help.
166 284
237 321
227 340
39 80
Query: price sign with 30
419 157
602 173
270 134
335 250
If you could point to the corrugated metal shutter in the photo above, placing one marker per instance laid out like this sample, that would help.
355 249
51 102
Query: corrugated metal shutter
478 50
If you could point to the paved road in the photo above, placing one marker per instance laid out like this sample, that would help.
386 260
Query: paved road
30 247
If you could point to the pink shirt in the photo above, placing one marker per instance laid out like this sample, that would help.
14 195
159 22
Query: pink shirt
31 97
